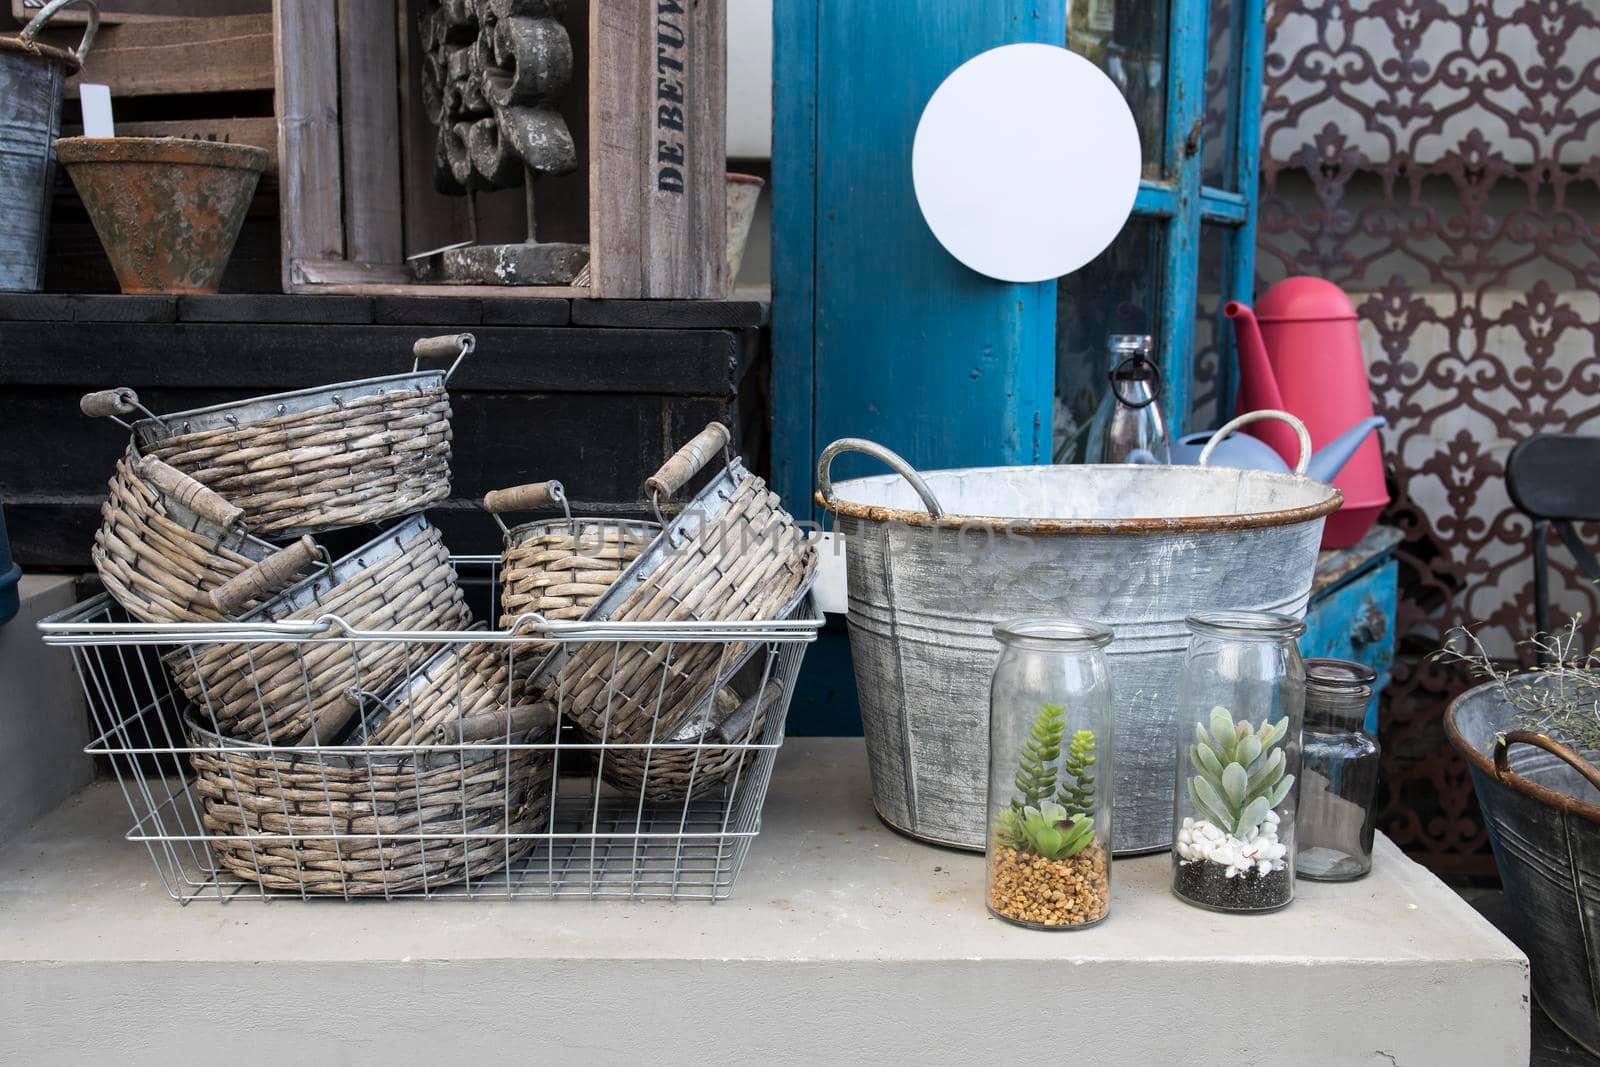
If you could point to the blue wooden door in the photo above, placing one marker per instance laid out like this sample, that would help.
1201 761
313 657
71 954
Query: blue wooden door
880 332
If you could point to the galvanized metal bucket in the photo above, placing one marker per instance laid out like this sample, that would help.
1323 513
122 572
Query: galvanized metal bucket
1541 803
935 560
31 79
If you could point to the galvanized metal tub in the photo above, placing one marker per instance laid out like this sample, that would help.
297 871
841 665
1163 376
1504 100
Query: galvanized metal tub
1542 808
1137 548
31 79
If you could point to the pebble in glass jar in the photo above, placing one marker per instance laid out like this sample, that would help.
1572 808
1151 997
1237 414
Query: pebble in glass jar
1241 701
1050 745
1338 773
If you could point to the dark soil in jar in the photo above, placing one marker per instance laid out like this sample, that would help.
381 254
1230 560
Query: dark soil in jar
1208 885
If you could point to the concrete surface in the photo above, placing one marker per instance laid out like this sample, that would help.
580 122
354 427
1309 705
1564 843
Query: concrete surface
843 942
43 721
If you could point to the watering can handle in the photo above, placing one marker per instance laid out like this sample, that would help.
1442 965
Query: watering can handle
1258 416
1502 759
266 578
46 13
460 345
892 459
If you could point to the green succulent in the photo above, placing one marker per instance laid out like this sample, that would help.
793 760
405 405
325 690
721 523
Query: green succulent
1046 831
1077 796
1239 772
1062 826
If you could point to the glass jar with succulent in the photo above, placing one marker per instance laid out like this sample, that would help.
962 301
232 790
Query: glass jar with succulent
1050 720
1242 698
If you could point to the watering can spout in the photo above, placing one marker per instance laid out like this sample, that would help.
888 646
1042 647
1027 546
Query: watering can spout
1336 453
1258 382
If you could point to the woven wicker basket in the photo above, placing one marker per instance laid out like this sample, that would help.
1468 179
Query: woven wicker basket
165 542
559 567
287 692
717 744
316 459
460 695
733 554
273 811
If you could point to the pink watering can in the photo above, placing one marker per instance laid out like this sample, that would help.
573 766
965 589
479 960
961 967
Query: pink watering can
1300 352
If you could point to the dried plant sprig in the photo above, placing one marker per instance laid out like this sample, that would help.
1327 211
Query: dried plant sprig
1560 697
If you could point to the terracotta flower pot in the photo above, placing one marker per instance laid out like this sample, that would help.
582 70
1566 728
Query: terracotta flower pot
167 209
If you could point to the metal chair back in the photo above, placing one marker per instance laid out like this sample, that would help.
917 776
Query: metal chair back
1554 479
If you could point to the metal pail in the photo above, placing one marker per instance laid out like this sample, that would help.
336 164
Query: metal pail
31 79
1137 548
1541 804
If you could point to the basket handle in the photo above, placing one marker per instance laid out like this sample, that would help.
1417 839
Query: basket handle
870 448
46 13
460 345
1502 755
114 404
265 578
492 725
1263 414
525 498
736 725
204 502
687 462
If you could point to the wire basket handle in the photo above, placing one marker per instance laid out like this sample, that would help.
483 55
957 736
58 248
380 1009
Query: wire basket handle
686 463
204 502
113 404
265 579
525 498
496 724
459 345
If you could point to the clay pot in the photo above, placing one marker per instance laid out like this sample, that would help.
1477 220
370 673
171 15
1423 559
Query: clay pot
743 192
167 210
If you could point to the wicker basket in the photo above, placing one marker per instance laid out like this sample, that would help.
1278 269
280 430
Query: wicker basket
559 567
301 692
317 459
460 695
165 542
266 810
733 554
700 757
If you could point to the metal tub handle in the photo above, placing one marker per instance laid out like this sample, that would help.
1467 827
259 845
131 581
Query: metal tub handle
460 345
46 13
1502 756
1246 419
892 459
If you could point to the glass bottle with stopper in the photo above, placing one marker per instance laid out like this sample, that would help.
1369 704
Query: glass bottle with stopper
1128 426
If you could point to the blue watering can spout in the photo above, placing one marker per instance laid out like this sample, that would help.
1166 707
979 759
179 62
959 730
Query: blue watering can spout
1336 453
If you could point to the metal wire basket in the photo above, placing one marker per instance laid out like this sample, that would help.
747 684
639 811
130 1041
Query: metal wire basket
215 835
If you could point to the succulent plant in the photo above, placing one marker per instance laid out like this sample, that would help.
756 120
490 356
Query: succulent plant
1238 772
1077 796
1034 822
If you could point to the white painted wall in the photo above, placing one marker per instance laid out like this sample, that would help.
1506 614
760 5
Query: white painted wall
749 79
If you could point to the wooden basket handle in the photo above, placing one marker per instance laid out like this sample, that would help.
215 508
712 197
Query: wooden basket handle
1502 755
688 461
265 578
204 502
459 345
736 725
524 497
492 725
109 403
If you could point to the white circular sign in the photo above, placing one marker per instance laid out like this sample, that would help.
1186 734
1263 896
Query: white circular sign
1026 162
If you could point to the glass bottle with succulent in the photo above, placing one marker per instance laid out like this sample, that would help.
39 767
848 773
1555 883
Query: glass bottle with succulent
1050 715
1238 762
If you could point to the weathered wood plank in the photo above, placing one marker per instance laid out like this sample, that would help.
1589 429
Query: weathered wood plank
307 91
274 308
170 56
258 132
685 314
620 56
369 125
706 239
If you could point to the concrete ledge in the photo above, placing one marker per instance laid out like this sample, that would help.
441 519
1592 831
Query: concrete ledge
842 942
43 721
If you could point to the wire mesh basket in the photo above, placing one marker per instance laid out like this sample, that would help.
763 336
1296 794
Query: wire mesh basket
510 809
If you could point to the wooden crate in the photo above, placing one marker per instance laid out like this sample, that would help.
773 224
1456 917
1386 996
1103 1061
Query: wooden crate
356 151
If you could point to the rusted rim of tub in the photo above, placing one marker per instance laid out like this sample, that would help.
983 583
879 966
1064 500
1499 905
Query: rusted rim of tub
1176 524
1562 802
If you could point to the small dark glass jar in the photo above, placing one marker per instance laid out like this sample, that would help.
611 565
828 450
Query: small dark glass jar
1338 773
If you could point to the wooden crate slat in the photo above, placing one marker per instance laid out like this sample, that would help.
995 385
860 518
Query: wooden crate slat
307 62
369 124
616 145
707 240
165 57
